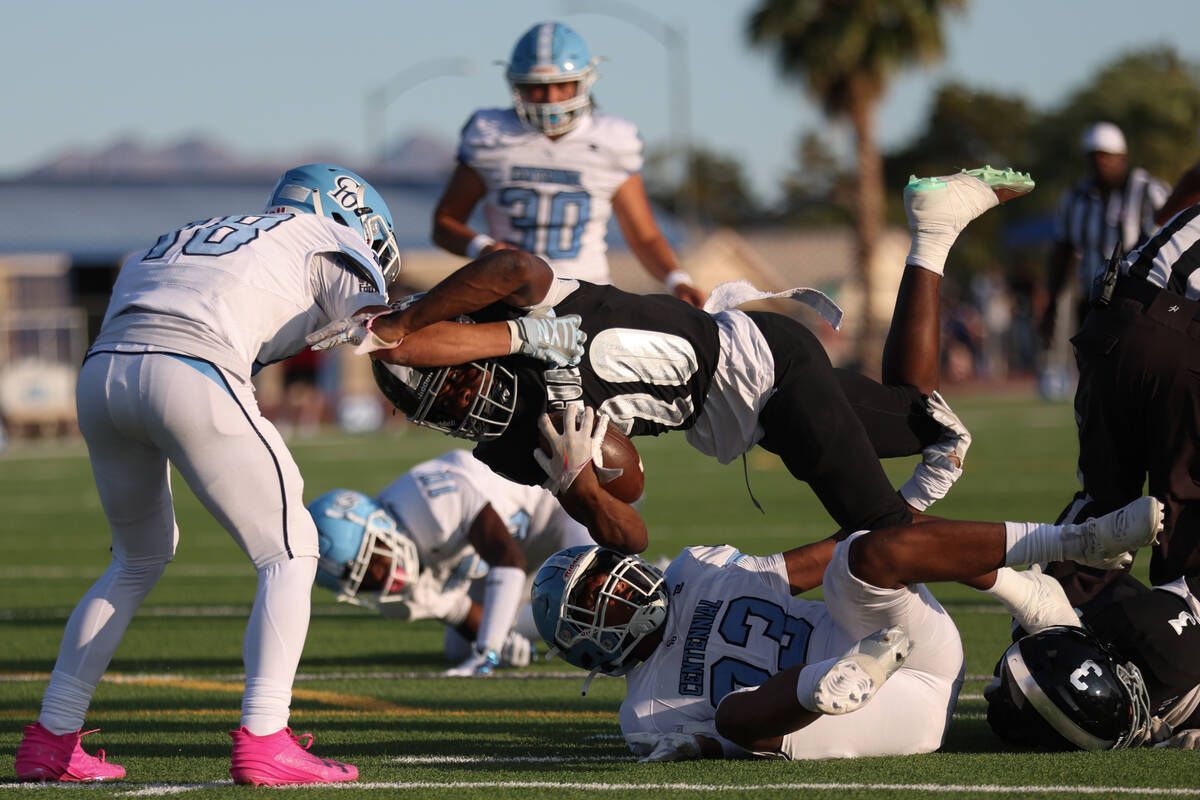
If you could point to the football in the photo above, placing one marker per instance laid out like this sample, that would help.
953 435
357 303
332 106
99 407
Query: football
617 452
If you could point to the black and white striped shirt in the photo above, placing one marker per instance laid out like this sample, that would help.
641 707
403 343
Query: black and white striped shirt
1093 224
1171 258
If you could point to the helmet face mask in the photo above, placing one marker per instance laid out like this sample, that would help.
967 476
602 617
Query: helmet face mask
551 53
594 606
364 556
472 401
339 194
1063 688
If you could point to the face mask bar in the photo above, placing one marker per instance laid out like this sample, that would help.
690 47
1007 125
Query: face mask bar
381 540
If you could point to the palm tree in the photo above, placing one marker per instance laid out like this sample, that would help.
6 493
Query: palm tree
844 51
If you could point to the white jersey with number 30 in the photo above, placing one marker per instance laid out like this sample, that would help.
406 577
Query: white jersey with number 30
552 197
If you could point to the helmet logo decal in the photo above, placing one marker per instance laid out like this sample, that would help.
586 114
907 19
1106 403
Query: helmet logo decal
1088 667
1182 621
347 192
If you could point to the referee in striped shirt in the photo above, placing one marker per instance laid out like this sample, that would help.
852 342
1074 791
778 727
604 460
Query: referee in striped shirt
1112 208
1138 401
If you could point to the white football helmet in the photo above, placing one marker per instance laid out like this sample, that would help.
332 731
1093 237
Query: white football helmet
551 52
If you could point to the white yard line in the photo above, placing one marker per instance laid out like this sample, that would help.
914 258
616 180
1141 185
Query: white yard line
164 789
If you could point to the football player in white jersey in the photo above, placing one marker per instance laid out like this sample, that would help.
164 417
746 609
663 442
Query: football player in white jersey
167 381
721 660
551 172
449 540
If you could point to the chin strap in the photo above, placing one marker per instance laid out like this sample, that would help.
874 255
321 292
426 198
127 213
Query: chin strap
749 491
588 682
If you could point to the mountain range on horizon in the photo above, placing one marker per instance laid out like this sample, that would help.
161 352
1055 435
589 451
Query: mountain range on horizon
414 157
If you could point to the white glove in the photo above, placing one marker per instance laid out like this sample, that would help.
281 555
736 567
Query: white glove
517 651
651 747
548 337
951 447
941 462
476 665
573 449
1184 740
431 597
354 330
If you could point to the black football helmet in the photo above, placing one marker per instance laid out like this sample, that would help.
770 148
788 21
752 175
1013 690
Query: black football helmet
1062 688
472 401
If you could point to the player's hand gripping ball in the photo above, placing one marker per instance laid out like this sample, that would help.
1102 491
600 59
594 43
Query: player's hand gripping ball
618 465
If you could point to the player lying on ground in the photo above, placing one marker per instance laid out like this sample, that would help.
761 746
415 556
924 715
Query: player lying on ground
448 540
720 659
1129 676
729 379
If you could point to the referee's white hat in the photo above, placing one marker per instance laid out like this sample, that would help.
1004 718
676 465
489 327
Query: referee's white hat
1104 137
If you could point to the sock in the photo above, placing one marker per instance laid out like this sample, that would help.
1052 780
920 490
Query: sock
1010 589
1032 543
936 228
274 639
65 703
91 637
810 676
500 601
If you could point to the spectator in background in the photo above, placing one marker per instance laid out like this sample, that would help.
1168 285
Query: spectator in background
1112 208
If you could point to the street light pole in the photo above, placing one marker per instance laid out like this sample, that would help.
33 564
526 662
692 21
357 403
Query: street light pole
674 39
379 98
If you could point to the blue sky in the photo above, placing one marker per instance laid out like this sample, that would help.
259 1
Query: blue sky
269 77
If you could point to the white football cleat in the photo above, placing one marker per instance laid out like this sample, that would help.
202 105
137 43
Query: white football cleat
1105 541
939 208
859 674
480 663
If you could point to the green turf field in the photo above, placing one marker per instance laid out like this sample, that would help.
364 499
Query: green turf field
366 687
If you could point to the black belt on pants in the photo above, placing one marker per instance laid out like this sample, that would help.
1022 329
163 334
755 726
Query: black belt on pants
1159 302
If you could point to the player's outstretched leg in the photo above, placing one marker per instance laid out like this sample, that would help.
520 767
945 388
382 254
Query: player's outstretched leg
858 675
45 756
939 208
279 758
1105 541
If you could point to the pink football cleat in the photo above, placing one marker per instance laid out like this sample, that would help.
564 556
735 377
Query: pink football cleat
45 756
279 758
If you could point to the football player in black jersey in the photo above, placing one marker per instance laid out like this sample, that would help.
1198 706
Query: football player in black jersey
1129 677
729 379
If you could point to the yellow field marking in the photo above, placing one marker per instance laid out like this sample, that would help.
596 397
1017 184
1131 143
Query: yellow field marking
356 705
315 713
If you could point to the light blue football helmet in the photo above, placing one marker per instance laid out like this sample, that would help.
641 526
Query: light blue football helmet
359 542
341 195
594 605
551 52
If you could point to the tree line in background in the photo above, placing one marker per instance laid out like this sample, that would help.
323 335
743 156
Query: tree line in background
1154 96
844 53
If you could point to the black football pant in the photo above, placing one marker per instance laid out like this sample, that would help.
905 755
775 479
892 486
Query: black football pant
830 427
1138 408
